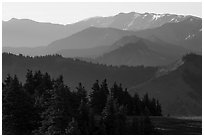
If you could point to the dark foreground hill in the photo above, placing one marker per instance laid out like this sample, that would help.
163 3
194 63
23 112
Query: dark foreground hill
75 71
178 86
180 90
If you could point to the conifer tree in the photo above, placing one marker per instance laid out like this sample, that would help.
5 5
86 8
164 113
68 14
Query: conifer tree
109 115
158 108
104 92
30 82
121 128
58 112
136 105
16 109
83 118
81 93
95 99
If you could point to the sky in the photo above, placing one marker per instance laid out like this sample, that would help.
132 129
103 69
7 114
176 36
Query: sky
70 12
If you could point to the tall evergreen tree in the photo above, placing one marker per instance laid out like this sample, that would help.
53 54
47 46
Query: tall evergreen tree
58 113
158 108
81 93
104 92
136 104
109 115
16 109
84 118
95 98
30 82
121 121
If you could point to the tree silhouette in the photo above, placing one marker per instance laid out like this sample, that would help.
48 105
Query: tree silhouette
16 109
81 93
49 107
109 115
58 113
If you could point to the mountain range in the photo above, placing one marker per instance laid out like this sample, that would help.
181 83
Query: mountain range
28 33
163 39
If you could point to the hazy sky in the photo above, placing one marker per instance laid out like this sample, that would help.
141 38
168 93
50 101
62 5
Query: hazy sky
65 13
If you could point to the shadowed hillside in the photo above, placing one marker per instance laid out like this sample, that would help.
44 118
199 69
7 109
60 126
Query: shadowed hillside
75 71
179 90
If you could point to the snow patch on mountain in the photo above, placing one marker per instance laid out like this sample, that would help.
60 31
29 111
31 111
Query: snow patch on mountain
189 36
136 15
157 16
144 16
174 20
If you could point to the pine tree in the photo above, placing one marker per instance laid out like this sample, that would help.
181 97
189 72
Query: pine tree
115 92
29 85
158 108
109 115
16 109
95 98
153 107
81 93
127 101
58 112
136 105
146 105
83 118
104 92
121 128
5 85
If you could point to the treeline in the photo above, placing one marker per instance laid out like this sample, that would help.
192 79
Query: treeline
47 106
74 70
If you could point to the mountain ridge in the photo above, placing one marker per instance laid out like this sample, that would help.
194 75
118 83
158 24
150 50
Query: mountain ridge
14 38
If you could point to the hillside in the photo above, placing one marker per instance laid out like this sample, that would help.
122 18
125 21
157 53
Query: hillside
187 33
75 71
133 51
88 38
179 90
29 33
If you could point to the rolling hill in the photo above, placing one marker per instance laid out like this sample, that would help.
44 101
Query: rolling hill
28 33
89 38
133 51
